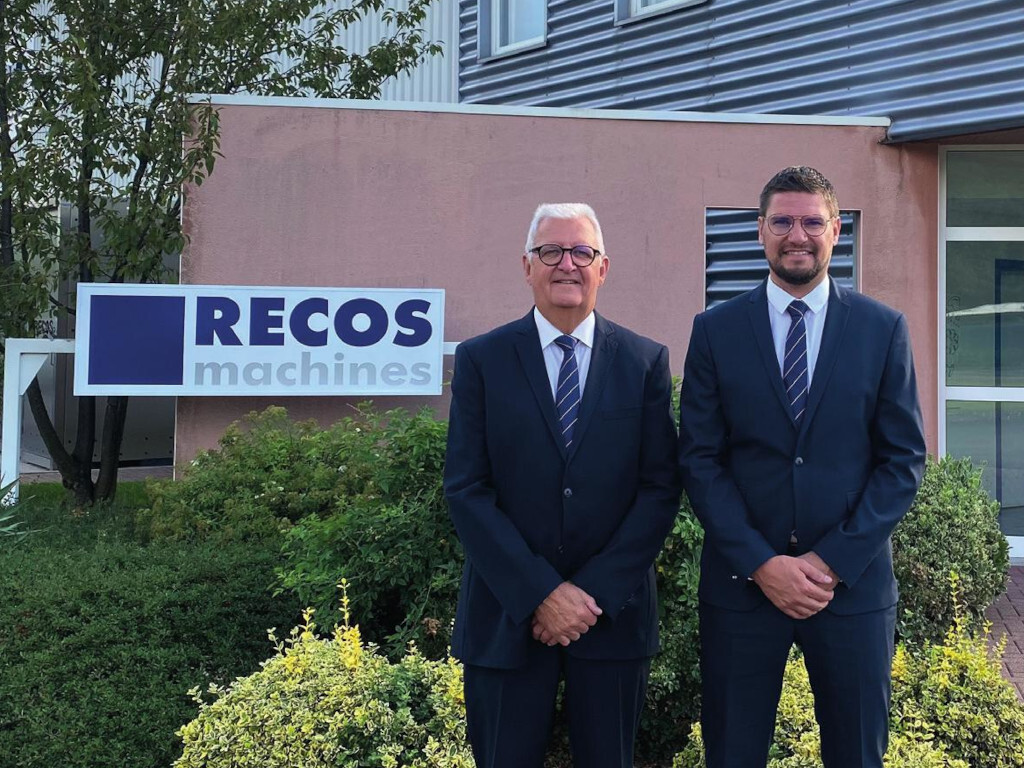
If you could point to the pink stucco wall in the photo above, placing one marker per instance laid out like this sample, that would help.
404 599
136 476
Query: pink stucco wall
366 197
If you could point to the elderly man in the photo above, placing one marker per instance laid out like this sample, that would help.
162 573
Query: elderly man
801 447
561 482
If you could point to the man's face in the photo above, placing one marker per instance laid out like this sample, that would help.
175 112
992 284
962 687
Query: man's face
797 260
565 286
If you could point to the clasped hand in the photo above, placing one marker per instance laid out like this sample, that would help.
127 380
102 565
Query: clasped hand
797 586
565 615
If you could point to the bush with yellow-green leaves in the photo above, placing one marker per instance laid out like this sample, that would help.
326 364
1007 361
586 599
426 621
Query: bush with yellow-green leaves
950 709
333 702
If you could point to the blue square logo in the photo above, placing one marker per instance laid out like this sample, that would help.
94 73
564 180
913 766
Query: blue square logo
136 339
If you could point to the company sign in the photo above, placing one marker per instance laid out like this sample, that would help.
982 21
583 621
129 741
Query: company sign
219 340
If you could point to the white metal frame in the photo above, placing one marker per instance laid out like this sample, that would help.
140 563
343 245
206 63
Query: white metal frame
497 49
969 234
637 11
22 360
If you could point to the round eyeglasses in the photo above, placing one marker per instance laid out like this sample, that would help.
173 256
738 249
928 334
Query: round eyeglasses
813 225
551 254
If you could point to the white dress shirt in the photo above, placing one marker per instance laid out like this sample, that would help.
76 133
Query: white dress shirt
814 320
584 335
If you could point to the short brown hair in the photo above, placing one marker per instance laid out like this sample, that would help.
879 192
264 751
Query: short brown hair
800 178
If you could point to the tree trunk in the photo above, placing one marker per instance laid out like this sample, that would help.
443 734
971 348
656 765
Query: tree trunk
6 154
74 474
81 485
110 447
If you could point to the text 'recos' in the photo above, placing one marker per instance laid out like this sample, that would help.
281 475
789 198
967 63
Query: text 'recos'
218 340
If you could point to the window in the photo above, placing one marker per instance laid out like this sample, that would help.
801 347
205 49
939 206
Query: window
508 26
629 10
982 322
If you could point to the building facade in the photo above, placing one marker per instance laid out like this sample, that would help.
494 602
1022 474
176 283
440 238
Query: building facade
948 73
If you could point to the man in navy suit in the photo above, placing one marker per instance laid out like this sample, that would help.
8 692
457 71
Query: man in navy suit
801 447
562 484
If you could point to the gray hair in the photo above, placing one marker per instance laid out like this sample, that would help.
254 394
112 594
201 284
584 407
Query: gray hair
563 211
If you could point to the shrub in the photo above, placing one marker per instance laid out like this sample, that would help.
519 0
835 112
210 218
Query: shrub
361 499
100 636
956 691
951 709
387 533
327 703
268 470
673 689
952 527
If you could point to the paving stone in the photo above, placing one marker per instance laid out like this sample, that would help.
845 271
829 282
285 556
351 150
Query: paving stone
1007 617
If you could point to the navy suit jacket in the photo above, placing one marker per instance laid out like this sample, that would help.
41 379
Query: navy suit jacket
531 514
841 479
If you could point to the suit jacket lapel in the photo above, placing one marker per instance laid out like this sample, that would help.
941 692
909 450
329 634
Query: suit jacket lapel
757 311
601 358
828 353
532 359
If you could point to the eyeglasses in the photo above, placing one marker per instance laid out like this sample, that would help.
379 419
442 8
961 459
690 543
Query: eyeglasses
780 224
551 254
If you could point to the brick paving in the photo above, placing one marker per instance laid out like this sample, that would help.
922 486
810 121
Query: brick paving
1007 617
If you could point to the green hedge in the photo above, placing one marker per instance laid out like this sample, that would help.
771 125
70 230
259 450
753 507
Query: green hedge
361 500
952 528
673 690
101 636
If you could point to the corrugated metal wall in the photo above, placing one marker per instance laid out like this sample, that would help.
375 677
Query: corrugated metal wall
936 67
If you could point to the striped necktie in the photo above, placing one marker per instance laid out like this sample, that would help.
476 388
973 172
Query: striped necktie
794 365
567 391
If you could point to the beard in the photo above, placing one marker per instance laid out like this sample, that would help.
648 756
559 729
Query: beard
797 276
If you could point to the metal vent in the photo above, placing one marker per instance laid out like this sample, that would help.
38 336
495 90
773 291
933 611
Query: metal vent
734 260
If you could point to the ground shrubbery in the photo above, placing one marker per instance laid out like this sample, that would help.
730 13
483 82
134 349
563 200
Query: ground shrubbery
362 500
333 703
101 635
673 688
952 528
951 709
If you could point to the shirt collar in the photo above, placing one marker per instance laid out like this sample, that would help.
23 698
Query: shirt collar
584 332
816 300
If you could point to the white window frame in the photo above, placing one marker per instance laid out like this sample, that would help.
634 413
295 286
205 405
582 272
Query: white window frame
949 234
627 11
490 47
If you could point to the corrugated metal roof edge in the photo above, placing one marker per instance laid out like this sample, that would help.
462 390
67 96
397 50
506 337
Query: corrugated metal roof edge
899 135
489 109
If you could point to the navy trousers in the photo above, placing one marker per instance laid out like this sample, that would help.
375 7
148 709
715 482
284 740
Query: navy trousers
849 663
510 712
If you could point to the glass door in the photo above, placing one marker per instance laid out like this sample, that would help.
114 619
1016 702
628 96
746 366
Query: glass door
982 322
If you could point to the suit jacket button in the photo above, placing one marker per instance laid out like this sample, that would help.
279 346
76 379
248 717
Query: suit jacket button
561 549
567 493
799 461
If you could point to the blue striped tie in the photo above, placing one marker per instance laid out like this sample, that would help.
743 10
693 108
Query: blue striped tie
794 365
567 391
